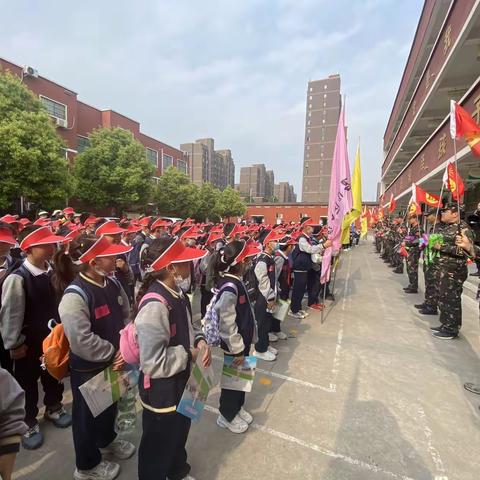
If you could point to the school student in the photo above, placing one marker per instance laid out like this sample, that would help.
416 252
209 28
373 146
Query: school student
169 343
238 329
93 310
302 263
7 265
140 242
28 304
267 296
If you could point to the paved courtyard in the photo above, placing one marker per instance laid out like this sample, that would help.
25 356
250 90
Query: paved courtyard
368 395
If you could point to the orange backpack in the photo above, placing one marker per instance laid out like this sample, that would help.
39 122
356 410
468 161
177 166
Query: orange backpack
56 352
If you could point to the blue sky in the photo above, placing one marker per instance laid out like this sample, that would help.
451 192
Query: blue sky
234 70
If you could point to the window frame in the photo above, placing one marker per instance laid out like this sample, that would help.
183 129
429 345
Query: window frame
156 156
58 103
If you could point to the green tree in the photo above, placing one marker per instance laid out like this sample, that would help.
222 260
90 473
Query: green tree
113 171
32 162
230 203
207 203
176 195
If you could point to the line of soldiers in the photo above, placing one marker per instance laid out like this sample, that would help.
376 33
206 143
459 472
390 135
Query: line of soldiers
445 260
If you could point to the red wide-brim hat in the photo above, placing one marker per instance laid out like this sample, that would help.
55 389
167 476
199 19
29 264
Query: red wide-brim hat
9 219
109 228
177 252
6 236
41 236
103 247
250 249
273 236
68 211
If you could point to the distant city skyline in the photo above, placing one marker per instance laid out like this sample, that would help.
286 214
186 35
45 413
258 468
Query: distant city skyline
247 91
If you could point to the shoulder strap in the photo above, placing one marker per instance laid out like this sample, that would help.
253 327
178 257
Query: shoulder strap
154 296
115 281
79 290
228 284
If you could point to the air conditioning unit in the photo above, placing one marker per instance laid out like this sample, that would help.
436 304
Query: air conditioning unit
30 71
61 122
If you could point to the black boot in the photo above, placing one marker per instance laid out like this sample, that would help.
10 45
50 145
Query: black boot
411 290
398 270
428 310
421 306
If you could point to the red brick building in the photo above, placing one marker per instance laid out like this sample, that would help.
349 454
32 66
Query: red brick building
75 120
443 64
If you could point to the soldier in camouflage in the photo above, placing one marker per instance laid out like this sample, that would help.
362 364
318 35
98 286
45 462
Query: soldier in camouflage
398 238
412 243
453 273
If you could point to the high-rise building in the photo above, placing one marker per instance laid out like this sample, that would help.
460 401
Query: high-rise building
284 193
323 111
209 165
253 181
269 185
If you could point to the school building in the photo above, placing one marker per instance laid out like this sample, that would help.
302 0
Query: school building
443 64
75 120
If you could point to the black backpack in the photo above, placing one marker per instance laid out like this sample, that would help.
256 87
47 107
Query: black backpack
251 282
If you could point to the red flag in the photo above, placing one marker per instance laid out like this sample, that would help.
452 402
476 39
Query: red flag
428 198
453 181
393 204
463 125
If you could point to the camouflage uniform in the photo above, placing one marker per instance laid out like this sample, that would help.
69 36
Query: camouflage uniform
397 258
413 255
453 272
431 273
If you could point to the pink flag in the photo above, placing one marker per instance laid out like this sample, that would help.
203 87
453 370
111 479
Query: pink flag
340 200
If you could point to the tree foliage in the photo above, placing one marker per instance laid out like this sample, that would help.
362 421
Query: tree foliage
230 203
113 171
32 161
207 208
176 195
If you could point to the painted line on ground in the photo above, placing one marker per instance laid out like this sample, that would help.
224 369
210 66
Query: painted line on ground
30 469
303 383
318 449
434 453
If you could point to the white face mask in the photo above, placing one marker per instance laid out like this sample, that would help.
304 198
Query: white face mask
100 272
182 283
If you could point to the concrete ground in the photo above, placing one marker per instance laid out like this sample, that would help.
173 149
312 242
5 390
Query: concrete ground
368 395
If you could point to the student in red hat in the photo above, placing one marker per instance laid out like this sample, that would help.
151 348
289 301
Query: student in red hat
302 264
169 344
109 229
28 304
93 310
267 295
8 264
140 242
238 329
69 214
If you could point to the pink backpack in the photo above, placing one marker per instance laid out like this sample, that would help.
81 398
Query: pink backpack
128 336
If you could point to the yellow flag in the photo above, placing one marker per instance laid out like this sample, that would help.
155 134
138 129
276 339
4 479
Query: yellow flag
364 223
356 199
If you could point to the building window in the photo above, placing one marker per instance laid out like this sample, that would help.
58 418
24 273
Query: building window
152 156
308 123
310 97
325 87
182 166
310 106
311 89
53 108
167 162
324 95
323 121
82 143
309 114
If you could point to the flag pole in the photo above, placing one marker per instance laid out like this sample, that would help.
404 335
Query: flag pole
438 207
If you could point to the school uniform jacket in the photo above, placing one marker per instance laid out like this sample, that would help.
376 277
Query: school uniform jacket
93 327
265 273
238 328
165 335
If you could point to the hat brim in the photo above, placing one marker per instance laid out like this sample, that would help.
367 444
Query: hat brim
249 250
114 231
115 249
189 254
51 239
8 240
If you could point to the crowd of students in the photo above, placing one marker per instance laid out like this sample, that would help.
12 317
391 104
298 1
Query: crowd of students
94 276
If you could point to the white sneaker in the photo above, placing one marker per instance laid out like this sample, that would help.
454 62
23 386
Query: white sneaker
281 335
245 416
119 449
267 356
304 313
272 337
237 425
273 350
298 315
103 471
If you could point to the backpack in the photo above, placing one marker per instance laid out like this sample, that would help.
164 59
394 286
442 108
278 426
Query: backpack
211 321
251 282
129 348
56 347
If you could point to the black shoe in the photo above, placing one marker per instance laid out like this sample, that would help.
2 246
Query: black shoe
330 296
445 335
420 306
397 270
407 288
428 311
437 329
411 290
476 274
